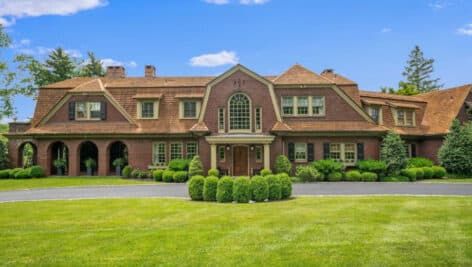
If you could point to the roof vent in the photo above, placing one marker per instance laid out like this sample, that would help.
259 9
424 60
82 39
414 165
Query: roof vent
115 72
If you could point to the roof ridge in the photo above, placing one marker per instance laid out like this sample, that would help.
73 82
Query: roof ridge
296 65
447 89
364 93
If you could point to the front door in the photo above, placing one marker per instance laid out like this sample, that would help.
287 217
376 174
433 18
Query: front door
240 160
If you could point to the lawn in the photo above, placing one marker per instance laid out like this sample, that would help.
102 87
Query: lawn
308 231
449 181
16 184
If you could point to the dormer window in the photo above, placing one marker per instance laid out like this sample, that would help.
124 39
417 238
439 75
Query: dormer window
148 109
287 105
189 109
405 117
302 105
317 104
375 113
87 110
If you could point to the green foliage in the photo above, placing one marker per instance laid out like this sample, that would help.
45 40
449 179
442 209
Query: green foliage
335 177
241 189
60 163
398 178
259 188
393 153
307 173
224 191
419 173
14 171
3 155
195 187
428 172
285 186
37 172
370 165
7 79
137 173
93 67
410 173
168 176
353 176
210 188
180 176
4 174
90 163
157 175
275 187
265 172
455 153
369 177
439 172
27 155
179 165
419 162
418 72
195 167
327 166
214 172
127 171
22 174
118 162
283 165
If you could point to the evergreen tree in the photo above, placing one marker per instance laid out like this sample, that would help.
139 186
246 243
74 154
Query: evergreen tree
455 153
3 155
195 167
7 79
93 68
393 152
60 66
418 72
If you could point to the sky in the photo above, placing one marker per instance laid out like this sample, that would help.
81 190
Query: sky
367 41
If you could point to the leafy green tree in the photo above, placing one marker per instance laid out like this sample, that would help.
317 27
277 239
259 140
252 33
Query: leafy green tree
455 153
93 68
195 167
393 153
7 79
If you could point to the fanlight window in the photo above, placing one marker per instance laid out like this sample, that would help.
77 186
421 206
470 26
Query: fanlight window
239 112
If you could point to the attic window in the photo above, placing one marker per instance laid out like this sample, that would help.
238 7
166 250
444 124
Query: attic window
87 110
405 117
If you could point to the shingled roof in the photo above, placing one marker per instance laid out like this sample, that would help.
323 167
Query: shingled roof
297 74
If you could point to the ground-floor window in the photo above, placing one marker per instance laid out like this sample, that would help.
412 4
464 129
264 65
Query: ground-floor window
343 152
300 152
192 150
159 155
258 153
221 153
175 151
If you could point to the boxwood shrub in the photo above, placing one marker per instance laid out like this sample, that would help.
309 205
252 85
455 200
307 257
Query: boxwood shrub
37 172
241 190
275 187
179 165
307 173
22 174
195 187
127 171
180 176
369 176
4 174
13 172
419 173
353 176
410 173
224 191
259 188
214 172
168 176
370 165
327 166
439 172
335 177
283 165
419 162
428 172
157 175
209 188
285 185
265 172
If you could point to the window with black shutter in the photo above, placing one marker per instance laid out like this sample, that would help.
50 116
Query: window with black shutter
413 150
291 151
326 150
71 110
360 151
311 152
103 110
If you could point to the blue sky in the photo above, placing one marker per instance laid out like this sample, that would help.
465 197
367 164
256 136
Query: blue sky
367 41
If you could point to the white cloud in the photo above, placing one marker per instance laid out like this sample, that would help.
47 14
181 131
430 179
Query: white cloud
386 30
73 52
437 5
10 10
213 60
111 62
253 2
242 2
466 30
217 2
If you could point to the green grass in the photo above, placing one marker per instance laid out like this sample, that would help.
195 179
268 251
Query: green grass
309 231
448 181
16 184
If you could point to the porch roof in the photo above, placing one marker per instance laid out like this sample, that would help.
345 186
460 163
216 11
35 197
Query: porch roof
240 139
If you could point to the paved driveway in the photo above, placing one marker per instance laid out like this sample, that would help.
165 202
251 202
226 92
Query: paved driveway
180 190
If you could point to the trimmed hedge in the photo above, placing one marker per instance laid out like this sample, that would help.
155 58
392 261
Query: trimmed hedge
419 173
370 165
157 175
353 176
335 177
37 172
22 174
369 177
285 186
180 176
410 173
126 172
214 172
275 187
13 172
259 188
168 176
224 191
179 165
4 174
307 173
419 162
265 172
209 188
241 189
428 172
327 166
438 172
195 187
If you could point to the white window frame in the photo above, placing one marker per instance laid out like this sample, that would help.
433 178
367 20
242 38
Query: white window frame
221 120
307 105
258 117
156 154
139 109
403 122
342 153
229 114
198 105
379 109
293 105
220 149
258 151
171 152
186 149
408 150
295 100
323 111
88 106
301 148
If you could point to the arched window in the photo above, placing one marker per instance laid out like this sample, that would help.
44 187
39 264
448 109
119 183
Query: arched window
239 112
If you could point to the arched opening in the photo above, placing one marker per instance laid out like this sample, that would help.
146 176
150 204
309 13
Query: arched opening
118 152
88 150
27 155
59 157
239 112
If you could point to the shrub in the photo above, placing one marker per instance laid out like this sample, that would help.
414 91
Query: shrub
398 178
419 162
285 186
393 153
157 175
265 172
335 177
428 172
455 153
439 172
90 163
180 176
195 167
224 191
327 166
3 155
241 190
410 173
168 176
353 176
195 187
13 172
37 172
209 188
179 165
283 165
370 165
275 190
135 173
214 172
118 162
419 173
143 174
22 174
127 170
369 176
5 174
307 173
259 188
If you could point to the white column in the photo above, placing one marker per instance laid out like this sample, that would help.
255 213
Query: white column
213 156
266 156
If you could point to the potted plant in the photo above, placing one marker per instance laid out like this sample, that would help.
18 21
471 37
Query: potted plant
60 165
118 163
90 164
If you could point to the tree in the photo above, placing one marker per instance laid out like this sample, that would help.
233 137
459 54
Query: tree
93 68
418 72
7 79
393 153
3 155
195 167
455 153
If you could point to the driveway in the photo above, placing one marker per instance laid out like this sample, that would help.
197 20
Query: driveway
180 191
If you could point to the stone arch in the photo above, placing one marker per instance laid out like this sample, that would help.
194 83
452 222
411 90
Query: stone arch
58 150
116 149
87 149
27 154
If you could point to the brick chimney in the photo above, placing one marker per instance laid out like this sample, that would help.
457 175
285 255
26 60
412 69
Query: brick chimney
115 72
328 71
149 71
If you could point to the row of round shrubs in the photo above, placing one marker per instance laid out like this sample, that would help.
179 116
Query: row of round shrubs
20 173
420 173
242 189
169 176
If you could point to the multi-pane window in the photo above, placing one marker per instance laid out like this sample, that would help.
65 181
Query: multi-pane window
408 150
302 105
258 154
159 155
287 105
374 113
81 110
317 105
349 153
300 152
343 152
147 109
405 117
190 109
175 151
87 110
239 113
221 153
335 151
258 119
409 118
192 150
221 119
